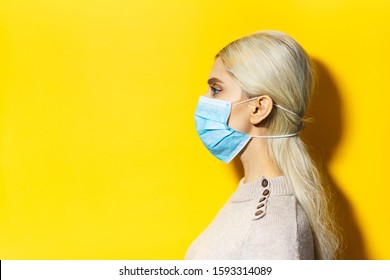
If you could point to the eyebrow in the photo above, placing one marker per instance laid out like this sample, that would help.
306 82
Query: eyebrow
214 80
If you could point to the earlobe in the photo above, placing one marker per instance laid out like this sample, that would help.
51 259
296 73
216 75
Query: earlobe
262 109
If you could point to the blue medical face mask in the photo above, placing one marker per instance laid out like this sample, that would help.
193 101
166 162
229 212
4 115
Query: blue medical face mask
222 141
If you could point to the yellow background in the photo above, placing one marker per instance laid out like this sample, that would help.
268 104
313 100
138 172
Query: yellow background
98 150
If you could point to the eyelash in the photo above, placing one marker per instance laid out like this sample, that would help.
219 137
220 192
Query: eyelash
213 90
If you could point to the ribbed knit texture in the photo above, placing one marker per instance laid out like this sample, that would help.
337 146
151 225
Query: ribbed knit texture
246 229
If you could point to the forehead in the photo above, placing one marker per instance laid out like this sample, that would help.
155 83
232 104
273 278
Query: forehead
218 71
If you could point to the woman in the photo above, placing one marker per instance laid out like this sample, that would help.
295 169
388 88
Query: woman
259 89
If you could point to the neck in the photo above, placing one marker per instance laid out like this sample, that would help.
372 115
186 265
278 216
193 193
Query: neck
257 161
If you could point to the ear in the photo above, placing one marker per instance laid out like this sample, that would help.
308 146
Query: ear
262 109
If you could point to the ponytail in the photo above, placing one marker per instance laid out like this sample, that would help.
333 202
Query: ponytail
294 161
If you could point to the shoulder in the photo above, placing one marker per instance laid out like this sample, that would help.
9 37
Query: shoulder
282 233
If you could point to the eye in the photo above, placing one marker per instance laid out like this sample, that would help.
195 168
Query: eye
215 90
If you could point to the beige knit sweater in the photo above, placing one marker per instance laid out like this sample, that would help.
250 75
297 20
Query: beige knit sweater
261 220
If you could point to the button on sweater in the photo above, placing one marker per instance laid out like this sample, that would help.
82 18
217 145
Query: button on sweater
261 220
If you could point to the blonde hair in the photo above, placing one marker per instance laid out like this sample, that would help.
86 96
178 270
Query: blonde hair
273 63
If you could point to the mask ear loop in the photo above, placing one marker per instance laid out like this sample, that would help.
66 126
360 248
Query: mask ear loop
253 98
276 136
250 99
287 110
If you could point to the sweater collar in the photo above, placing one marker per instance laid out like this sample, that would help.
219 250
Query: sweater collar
248 191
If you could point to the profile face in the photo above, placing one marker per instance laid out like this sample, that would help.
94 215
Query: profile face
224 87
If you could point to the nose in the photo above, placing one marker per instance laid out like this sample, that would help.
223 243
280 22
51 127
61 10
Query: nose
208 94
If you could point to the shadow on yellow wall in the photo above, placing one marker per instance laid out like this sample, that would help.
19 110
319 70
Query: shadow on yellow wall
323 137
